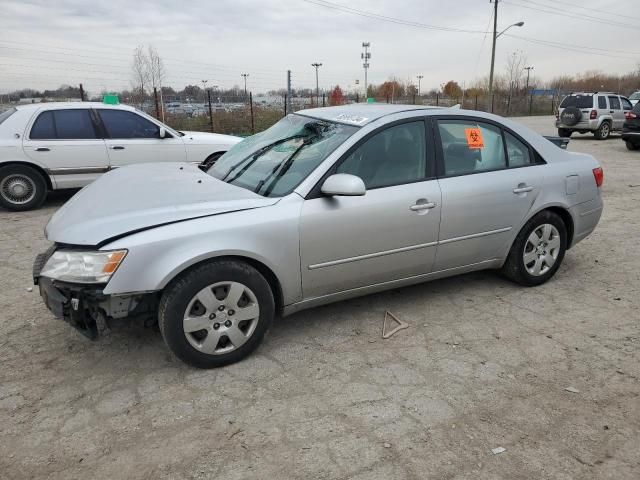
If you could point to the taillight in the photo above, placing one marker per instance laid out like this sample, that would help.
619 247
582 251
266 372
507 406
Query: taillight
557 114
598 174
594 115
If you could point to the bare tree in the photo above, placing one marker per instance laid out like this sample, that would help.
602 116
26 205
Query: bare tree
516 62
156 73
140 72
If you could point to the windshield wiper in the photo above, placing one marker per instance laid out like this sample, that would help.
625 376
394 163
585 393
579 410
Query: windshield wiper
282 168
255 156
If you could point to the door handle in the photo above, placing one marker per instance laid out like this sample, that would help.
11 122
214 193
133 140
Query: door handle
116 147
422 205
42 149
522 188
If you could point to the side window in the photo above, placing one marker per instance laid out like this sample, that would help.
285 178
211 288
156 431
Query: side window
122 125
626 104
43 128
469 147
393 156
614 103
518 153
73 124
602 102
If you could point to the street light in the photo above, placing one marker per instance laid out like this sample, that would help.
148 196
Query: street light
493 49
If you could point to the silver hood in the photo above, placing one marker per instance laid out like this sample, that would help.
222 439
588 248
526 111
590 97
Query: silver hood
139 197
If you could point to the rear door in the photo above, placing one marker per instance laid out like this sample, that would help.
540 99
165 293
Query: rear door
66 141
617 114
489 181
131 138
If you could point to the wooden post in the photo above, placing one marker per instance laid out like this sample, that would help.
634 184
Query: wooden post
155 97
253 127
82 99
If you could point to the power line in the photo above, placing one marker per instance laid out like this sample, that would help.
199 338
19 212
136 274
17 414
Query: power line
363 13
600 11
577 16
567 47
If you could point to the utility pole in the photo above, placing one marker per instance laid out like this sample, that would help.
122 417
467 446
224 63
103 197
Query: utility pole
245 75
317 66
493 47
419 77
289 93
365 63
528 69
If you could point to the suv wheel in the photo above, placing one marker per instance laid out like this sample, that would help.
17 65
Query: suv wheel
21 188
216 313
630 145
564 132
603 132
538 250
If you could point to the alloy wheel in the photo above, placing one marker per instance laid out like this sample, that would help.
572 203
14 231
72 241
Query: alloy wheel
541 249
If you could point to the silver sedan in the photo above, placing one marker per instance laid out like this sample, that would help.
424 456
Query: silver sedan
326 205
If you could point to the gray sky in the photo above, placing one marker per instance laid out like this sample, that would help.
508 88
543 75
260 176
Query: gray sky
44 43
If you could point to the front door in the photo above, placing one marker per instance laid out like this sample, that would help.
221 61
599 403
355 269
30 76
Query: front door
487 190
389 233
67 144
132 138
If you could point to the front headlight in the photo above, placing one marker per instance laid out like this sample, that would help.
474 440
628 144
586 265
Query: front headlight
82 267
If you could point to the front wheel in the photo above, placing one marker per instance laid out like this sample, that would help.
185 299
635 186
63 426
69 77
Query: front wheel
21 188
538 250
216 314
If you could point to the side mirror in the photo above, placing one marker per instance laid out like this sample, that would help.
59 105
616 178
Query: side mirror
162 133
343 184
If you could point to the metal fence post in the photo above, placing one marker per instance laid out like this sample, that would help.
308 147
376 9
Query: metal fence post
476 102
437 99
210 109
253 126
285 104
492 101
82 99
530 103
323 99
155 98
508 103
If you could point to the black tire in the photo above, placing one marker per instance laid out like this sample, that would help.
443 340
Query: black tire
570 116
179 293
630 145
210 161
29 178
603 132
564 132
515 268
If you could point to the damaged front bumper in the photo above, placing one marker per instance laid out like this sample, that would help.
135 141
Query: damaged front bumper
86 308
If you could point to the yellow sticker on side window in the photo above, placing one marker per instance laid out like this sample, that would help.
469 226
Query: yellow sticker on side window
474 137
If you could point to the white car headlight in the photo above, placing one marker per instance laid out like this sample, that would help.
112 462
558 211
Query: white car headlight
82 267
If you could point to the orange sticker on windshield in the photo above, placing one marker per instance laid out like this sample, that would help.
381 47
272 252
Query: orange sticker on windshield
474 138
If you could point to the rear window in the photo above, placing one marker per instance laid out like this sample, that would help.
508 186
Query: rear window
578 101
602 102
72 124
6 114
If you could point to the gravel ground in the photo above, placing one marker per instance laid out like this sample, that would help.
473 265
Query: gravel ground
485 364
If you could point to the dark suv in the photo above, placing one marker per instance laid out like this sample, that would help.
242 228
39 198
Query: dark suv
599 112
631 128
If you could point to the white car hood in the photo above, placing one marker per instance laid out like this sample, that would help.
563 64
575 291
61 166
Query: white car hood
143 196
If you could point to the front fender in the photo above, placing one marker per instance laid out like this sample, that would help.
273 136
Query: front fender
268 235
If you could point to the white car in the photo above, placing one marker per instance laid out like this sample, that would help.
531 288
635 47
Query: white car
51 146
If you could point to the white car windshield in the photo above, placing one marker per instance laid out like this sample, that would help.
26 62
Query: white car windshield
274 162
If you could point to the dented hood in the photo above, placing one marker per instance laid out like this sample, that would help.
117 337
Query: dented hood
143 196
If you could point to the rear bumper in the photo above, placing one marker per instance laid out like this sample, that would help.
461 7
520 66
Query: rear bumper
631 135
582 125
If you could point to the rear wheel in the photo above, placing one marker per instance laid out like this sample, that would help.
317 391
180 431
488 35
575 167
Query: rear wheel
603 132
21 187
564 132
538 250
216 314
630 145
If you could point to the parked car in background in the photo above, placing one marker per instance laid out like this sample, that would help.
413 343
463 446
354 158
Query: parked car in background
327 204
634 98
50 146
600 113
631 128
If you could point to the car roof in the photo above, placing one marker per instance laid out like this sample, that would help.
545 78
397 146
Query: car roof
360 113
59 105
